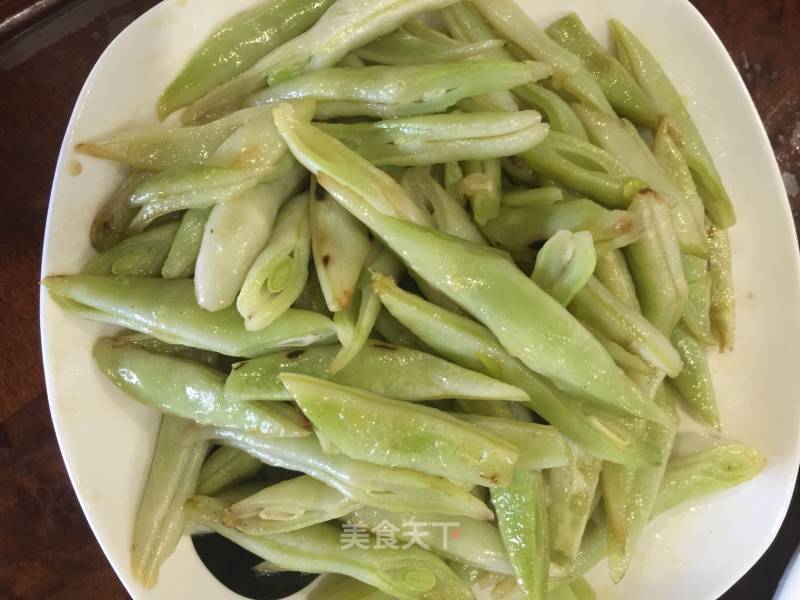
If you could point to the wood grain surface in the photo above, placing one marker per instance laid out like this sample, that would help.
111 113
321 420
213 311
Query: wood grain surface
47 551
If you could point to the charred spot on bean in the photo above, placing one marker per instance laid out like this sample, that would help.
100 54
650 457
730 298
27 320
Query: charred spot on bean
326 259
294 353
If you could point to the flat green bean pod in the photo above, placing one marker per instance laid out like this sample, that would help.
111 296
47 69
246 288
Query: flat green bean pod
650 75
556 111
612 271
288 506
402 91
574 163
540 446
408 574
655 263
394 332
694 382
381 368
400 48
224 468
579 366
345 26
394 489
167 310
279 273
442 138
723 304
472 346
141 255
521 509
697 311
159 521
363 426
182 257
234 235
482 186
237 45
190 390
345 588
517 228
619 86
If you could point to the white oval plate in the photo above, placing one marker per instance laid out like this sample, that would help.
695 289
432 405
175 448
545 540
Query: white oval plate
106 438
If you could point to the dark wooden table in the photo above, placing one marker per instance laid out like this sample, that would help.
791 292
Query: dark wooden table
47 48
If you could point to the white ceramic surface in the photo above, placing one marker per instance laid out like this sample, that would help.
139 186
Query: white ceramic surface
789 587
106 438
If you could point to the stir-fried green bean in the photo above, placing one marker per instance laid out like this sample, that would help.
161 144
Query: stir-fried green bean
182 257
652 78
404 48
394 489
167 310
159 521
288 506
407 574
556 111
612 271
383 369
618 85
141 255
434 139
431 442
345 26
237 45
345 588
565 264
694 381
188 389
697 311
723 307
226 467
385 91
112 221
521 509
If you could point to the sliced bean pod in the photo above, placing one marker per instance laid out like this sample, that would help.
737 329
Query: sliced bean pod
278 275
477 543
385 91
345 588
434 139
288 506
430 441
619 86
159 521
190 390
652 78
345 26
167 310
655 263
407 574
521 509
723 305
235 233
141 255
694 382
237 45
513 24
565 265
340 246
472 346
482 186
225 468
392 489
182 256
447 263
392 371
